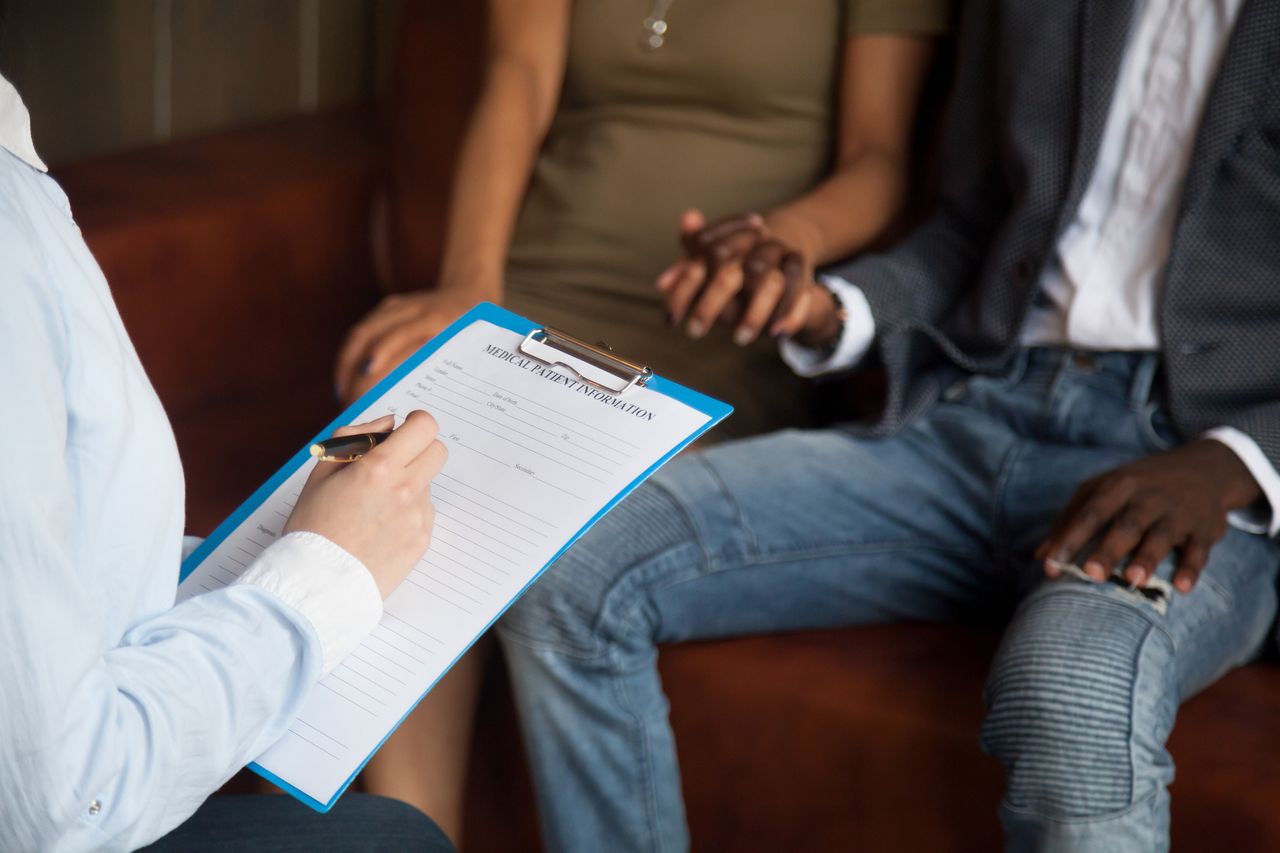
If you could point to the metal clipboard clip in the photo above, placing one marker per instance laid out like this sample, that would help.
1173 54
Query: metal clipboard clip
594 364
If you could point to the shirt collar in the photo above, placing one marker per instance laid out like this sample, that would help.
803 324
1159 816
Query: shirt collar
15 127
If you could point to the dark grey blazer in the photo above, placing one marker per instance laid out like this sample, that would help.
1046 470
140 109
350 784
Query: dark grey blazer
1033 90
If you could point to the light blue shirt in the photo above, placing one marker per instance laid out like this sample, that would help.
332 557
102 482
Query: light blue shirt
119 712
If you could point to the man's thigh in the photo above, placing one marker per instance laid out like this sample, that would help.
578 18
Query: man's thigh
799 529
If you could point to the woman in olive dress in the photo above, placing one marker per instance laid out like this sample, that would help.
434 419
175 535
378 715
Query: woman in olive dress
608 133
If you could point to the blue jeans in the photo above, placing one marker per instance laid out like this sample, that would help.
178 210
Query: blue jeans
821 529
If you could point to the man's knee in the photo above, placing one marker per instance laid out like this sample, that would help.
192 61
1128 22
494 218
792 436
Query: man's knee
594 594
1076 701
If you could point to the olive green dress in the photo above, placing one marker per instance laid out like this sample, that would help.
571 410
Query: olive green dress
733 113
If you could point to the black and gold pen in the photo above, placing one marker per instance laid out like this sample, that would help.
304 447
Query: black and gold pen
347 448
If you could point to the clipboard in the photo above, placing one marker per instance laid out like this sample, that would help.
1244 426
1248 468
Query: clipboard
551 354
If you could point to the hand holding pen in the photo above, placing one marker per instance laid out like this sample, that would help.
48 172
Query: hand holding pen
379 510
347 448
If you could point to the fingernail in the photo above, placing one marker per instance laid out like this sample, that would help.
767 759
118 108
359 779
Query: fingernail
743 336
1134 576
696 329
1094 570
1051 569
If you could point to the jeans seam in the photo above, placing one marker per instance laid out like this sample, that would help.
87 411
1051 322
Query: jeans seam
1082 821
998 537
1133 707
729 498
644 747
717 567
758 560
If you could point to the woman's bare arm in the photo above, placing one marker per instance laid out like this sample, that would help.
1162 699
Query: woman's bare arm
880 84
527 49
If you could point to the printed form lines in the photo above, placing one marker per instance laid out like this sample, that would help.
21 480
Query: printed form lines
489 417
388 614
468 555
453 413
500 532
429 591
311 743
376 637
601 447
327 686
444 528
495 499
558 423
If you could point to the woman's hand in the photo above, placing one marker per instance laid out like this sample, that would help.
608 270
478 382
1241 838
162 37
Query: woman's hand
377 508
741 274
393 331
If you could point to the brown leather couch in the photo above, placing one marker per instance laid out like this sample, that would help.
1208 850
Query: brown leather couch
238 261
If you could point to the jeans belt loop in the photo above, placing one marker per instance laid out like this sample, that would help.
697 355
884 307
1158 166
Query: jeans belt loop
1017 367
1144 380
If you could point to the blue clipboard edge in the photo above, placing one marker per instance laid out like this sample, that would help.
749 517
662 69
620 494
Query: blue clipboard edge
713 408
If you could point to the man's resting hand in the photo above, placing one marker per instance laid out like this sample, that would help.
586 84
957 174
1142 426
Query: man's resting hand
1148 509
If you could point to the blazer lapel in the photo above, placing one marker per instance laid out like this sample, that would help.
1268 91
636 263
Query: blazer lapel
1104 34
1249 73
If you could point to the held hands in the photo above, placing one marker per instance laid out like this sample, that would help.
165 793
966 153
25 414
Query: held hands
1146 510
739 273
393 331
377 508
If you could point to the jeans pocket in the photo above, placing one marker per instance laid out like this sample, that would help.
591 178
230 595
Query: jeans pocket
1155 429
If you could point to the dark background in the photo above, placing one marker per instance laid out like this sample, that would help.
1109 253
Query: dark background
101 76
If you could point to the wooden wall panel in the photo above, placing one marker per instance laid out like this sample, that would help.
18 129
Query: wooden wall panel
344 35
234 61
102 76
84 70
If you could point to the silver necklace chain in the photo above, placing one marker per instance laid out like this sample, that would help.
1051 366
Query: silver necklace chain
655 26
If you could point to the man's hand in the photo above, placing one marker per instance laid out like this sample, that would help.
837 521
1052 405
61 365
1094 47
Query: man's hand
738 273
1175 501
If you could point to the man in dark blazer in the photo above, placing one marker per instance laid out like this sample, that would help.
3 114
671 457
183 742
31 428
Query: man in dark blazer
1081 436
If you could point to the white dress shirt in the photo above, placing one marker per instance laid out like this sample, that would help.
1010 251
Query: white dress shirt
119 711
1102 289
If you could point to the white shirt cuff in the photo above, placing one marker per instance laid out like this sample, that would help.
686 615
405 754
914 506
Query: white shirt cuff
1255 519
324 583
855 339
